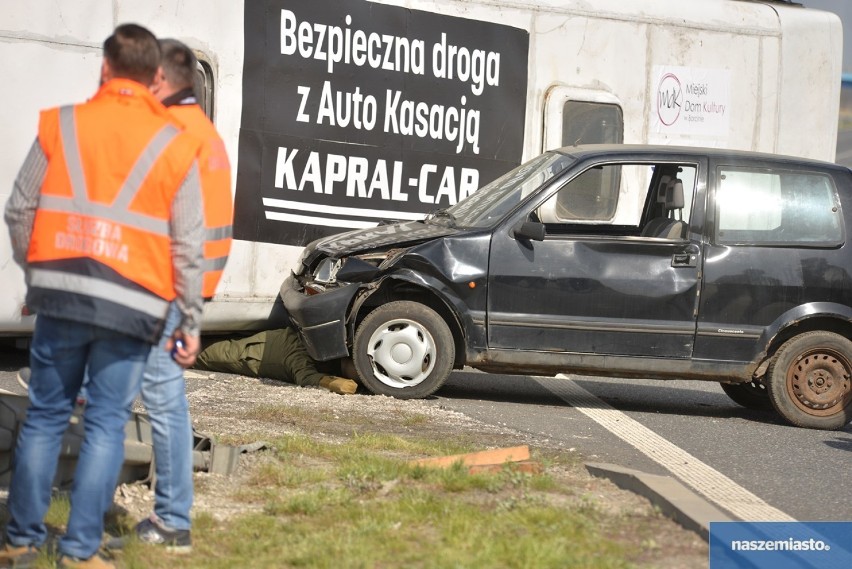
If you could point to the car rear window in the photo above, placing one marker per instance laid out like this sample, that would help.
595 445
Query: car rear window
777 207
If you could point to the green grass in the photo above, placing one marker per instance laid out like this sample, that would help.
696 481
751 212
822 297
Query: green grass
57 513
417 528
360 503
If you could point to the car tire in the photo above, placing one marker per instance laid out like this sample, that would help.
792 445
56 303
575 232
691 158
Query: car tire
751 395
810 381
403 349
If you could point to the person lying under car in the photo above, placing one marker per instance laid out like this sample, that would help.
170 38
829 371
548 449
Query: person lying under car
276 354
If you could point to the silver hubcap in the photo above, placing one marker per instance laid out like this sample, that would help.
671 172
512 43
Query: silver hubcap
402 353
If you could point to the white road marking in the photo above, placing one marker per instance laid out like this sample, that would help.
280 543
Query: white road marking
704 479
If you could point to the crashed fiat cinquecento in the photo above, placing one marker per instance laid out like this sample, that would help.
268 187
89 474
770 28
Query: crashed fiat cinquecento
625 261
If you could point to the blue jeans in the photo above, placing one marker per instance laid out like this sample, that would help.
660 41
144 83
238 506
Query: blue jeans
164 395
61 352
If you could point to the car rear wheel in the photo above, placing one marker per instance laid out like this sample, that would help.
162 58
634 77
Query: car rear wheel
810 380
751 395
403 349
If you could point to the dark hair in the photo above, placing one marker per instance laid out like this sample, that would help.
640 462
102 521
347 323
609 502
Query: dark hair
133 53
178 63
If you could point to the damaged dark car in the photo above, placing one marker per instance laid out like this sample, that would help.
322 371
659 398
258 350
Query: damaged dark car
624 261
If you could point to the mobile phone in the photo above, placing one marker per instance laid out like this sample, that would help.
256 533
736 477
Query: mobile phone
178 344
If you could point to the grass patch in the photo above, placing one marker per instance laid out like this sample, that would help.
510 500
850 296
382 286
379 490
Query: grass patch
414 420
358 502
284 475
287 413
417 528
362 504
57 513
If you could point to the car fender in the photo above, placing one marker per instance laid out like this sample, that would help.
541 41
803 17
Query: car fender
797 316
464 320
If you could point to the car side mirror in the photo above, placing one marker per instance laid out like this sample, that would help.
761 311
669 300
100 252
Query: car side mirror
532 230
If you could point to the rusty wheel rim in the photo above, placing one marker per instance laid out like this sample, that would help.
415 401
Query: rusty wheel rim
819 383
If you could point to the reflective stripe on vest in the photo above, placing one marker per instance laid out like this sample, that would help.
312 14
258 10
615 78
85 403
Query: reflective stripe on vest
216 192
98 288
216 234
118 212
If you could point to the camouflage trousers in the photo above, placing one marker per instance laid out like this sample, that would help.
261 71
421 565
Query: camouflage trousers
276 354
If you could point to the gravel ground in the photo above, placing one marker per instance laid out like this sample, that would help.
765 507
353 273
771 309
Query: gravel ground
225 408
222 406
236 410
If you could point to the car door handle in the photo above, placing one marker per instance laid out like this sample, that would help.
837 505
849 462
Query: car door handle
684 260
689 257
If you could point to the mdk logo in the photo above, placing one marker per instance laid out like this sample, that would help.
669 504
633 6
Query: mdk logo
669 99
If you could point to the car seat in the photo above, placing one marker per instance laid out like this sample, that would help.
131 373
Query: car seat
669 227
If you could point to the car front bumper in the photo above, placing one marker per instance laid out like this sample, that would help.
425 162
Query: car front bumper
320 318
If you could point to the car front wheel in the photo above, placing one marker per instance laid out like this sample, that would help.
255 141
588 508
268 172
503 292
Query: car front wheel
810 380
403 349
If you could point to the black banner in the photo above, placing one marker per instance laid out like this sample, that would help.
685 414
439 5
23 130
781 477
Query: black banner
356 112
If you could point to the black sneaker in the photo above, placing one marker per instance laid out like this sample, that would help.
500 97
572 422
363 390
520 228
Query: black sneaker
23 377
153 532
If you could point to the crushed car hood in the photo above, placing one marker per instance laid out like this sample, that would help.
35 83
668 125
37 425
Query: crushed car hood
399 234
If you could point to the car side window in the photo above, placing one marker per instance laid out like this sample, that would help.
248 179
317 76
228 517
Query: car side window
776 207
591 197
610 199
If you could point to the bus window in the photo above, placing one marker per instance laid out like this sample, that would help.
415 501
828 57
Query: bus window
844 127
573 115
591 123
204 85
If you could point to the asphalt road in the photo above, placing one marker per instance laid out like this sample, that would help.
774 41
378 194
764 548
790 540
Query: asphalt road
805 474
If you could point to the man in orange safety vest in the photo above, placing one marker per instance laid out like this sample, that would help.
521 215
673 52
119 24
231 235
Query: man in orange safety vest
104 220
163 386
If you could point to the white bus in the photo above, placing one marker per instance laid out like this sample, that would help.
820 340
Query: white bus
338 114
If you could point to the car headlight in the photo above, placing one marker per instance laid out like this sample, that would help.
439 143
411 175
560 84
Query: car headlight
326 271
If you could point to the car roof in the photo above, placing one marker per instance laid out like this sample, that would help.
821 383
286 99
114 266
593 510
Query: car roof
584 151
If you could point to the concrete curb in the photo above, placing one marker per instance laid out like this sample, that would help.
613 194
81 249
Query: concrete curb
674 500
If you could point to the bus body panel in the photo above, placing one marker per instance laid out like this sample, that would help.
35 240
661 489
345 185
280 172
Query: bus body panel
778 65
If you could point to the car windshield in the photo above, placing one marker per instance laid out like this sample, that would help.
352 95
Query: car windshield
490 203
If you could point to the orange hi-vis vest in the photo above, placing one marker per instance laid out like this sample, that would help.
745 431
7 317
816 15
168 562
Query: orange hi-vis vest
100 250
215 170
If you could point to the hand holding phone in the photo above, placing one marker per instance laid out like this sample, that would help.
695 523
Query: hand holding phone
178 344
